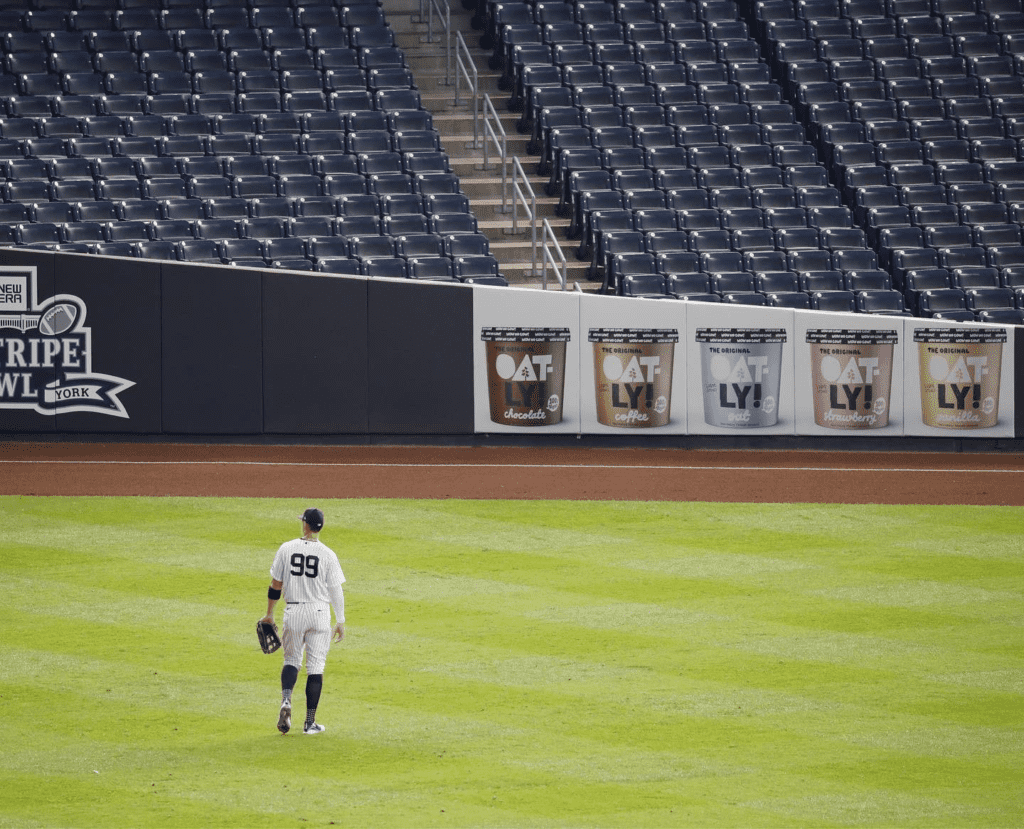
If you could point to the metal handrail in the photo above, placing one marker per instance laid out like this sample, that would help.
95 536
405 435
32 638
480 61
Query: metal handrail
463 64
550 243
520 193
444 15
494 135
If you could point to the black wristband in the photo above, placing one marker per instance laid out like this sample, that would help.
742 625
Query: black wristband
273 594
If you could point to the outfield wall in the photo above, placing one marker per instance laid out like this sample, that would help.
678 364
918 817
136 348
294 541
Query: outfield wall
96 346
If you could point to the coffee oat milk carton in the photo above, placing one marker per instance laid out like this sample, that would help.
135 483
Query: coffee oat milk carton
633 375
851 376
525 374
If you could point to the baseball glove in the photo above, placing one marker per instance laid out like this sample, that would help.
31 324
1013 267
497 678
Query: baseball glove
267 634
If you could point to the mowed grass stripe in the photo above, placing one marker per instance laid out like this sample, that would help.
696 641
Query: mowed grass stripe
522 670
521 664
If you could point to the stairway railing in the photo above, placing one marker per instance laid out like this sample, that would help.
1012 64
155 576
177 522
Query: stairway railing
522 194
465 67
552 254
496 139
444 16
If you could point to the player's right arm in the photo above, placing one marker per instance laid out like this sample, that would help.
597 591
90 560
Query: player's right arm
277 569
276 583
275 587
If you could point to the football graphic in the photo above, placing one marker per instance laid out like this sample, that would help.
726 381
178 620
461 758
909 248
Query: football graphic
58 319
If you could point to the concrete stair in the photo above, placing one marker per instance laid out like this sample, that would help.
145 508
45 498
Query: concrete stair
481 182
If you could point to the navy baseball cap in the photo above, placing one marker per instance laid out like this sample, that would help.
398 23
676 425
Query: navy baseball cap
313 517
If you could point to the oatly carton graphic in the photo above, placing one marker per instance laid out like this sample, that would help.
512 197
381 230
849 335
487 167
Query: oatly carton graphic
741 370
851 377
525 374
46 353
633 375
960 376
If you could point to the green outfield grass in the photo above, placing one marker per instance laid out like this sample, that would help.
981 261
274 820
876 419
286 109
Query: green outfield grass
518 664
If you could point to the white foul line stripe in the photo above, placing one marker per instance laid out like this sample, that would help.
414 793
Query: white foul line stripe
944 471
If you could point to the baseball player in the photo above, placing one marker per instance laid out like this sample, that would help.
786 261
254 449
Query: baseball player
307 572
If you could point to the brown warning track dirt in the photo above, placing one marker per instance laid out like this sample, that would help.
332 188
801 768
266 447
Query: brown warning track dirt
525 473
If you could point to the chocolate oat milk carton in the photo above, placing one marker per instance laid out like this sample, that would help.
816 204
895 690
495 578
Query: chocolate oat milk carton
851 377
525 374
741 369
633 375
960 370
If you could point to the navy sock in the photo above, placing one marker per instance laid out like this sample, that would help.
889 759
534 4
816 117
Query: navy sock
289 675
314 685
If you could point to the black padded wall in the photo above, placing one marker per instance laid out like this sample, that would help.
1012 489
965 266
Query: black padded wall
212 350
314 354
420 358
122 302
21 384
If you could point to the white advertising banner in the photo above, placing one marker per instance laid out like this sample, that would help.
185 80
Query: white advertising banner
959 379
632 366
526 361
741 370
849 374
585 364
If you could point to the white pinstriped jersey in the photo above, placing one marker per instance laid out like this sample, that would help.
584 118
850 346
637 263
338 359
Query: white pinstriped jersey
309 572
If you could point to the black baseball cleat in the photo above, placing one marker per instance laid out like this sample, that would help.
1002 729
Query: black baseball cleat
284 719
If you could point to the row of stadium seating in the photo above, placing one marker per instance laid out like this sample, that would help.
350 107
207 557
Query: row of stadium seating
16 17
637 147
271 134
871 140
887 129
917 107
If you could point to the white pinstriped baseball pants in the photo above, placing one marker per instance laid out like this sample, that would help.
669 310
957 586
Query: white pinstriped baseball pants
307 626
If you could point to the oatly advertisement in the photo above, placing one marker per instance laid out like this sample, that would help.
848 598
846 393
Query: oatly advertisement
741 374
526 361
632 372
525 374
959 379
610 365
849 374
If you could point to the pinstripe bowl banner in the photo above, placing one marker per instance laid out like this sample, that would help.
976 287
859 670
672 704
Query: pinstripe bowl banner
46 353
584 364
